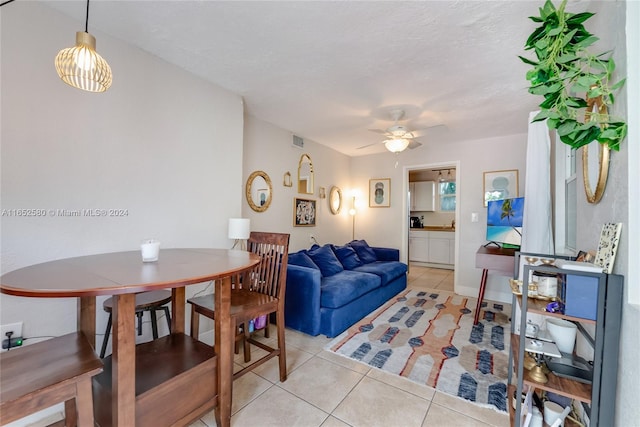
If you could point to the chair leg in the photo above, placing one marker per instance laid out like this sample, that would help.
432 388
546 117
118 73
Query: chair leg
247 345
106 338
154 323
139 316
195 323
70 414
266 327
167 314
282 357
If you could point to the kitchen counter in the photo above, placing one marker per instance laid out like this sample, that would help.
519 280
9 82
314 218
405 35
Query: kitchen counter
434 228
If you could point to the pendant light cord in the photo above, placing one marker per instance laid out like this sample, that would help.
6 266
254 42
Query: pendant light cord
6 2
86 22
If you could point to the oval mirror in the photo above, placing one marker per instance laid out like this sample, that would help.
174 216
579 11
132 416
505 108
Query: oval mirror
595 156
305 175
335 200
258 191
595 170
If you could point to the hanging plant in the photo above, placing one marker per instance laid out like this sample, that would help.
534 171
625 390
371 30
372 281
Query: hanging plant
566 74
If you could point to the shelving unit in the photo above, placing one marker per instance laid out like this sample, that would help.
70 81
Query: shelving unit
605 344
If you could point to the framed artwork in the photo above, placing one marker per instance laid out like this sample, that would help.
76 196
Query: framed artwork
380 193
499 185
608 246
304 212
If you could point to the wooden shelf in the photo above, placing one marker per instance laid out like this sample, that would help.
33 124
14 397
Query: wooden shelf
558 385
535 305
174 371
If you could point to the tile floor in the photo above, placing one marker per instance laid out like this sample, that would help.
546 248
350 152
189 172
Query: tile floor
327 390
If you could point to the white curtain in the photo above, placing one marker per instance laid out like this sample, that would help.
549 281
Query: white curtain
537 234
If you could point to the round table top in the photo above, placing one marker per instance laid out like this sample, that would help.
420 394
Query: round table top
124 272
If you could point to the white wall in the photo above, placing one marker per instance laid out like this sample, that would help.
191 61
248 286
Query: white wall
269 148
160 143
387 227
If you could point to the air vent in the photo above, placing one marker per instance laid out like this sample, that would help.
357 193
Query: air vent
298 142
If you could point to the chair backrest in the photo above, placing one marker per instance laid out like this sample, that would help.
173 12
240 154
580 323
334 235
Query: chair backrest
269 276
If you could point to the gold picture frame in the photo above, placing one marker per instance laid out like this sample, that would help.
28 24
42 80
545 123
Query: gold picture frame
304 212
499 185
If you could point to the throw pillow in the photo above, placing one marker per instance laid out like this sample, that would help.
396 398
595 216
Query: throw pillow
347 256
365 252
326 260
302 259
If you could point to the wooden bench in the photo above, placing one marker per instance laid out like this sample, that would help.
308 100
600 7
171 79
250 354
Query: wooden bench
35 377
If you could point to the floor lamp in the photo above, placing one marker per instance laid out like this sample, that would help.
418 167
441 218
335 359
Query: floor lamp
239 229
353 212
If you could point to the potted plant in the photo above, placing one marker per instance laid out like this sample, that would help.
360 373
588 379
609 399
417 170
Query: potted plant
576 85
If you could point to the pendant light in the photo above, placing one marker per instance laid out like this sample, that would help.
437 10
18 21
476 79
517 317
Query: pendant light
81 66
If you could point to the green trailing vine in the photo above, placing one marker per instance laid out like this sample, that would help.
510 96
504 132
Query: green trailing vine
567 75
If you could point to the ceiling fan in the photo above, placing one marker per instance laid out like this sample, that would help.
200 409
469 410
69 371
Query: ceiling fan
398 136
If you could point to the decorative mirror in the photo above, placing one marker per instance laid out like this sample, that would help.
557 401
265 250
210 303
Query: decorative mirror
595 157
286 181
335 200
305 175
258 191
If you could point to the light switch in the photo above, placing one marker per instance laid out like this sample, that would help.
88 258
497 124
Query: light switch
474 216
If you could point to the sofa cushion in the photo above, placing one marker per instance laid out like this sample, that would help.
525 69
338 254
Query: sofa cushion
301 259
364 251
326 260
347 257
342 288
386 270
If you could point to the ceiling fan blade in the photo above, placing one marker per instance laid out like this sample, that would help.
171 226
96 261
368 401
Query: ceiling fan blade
414 144
382 131
423 131
368 145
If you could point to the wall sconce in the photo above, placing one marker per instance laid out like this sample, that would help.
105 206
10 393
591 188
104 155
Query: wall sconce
239 230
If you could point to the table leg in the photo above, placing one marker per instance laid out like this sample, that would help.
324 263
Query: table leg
123 361
483 284
177 309
224 341
87 318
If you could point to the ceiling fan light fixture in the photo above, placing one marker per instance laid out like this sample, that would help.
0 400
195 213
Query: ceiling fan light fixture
396 145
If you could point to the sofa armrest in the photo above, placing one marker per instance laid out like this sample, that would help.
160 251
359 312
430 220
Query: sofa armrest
387 254
302 299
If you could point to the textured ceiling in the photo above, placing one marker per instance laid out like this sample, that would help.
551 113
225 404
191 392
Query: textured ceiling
330 71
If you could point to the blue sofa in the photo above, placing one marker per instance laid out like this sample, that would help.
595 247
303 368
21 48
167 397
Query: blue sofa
329 288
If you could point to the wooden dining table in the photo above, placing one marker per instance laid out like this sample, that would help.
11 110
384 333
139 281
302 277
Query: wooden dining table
169 381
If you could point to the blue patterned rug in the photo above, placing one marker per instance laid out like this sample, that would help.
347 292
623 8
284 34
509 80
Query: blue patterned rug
429 338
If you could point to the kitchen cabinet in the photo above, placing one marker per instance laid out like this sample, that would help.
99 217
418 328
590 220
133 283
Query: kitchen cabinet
418 246
433 247
595 396
422 196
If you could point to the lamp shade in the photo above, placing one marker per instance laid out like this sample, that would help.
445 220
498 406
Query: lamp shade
81 66
396 145
239 228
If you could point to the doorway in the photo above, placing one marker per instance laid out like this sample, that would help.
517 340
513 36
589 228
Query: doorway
430 235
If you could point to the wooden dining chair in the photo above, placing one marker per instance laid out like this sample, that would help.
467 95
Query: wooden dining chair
151 301
257 293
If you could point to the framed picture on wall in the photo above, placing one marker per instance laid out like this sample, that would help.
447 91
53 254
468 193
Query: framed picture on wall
380 193
500 185
304 212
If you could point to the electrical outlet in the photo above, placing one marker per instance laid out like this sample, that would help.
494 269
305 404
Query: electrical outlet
16 328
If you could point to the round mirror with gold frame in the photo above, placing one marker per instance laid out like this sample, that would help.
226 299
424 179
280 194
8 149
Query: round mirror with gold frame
259 191
335 200
595 156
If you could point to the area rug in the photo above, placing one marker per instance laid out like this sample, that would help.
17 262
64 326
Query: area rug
429 337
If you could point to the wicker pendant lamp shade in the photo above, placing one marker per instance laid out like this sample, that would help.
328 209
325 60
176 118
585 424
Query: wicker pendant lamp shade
81 66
